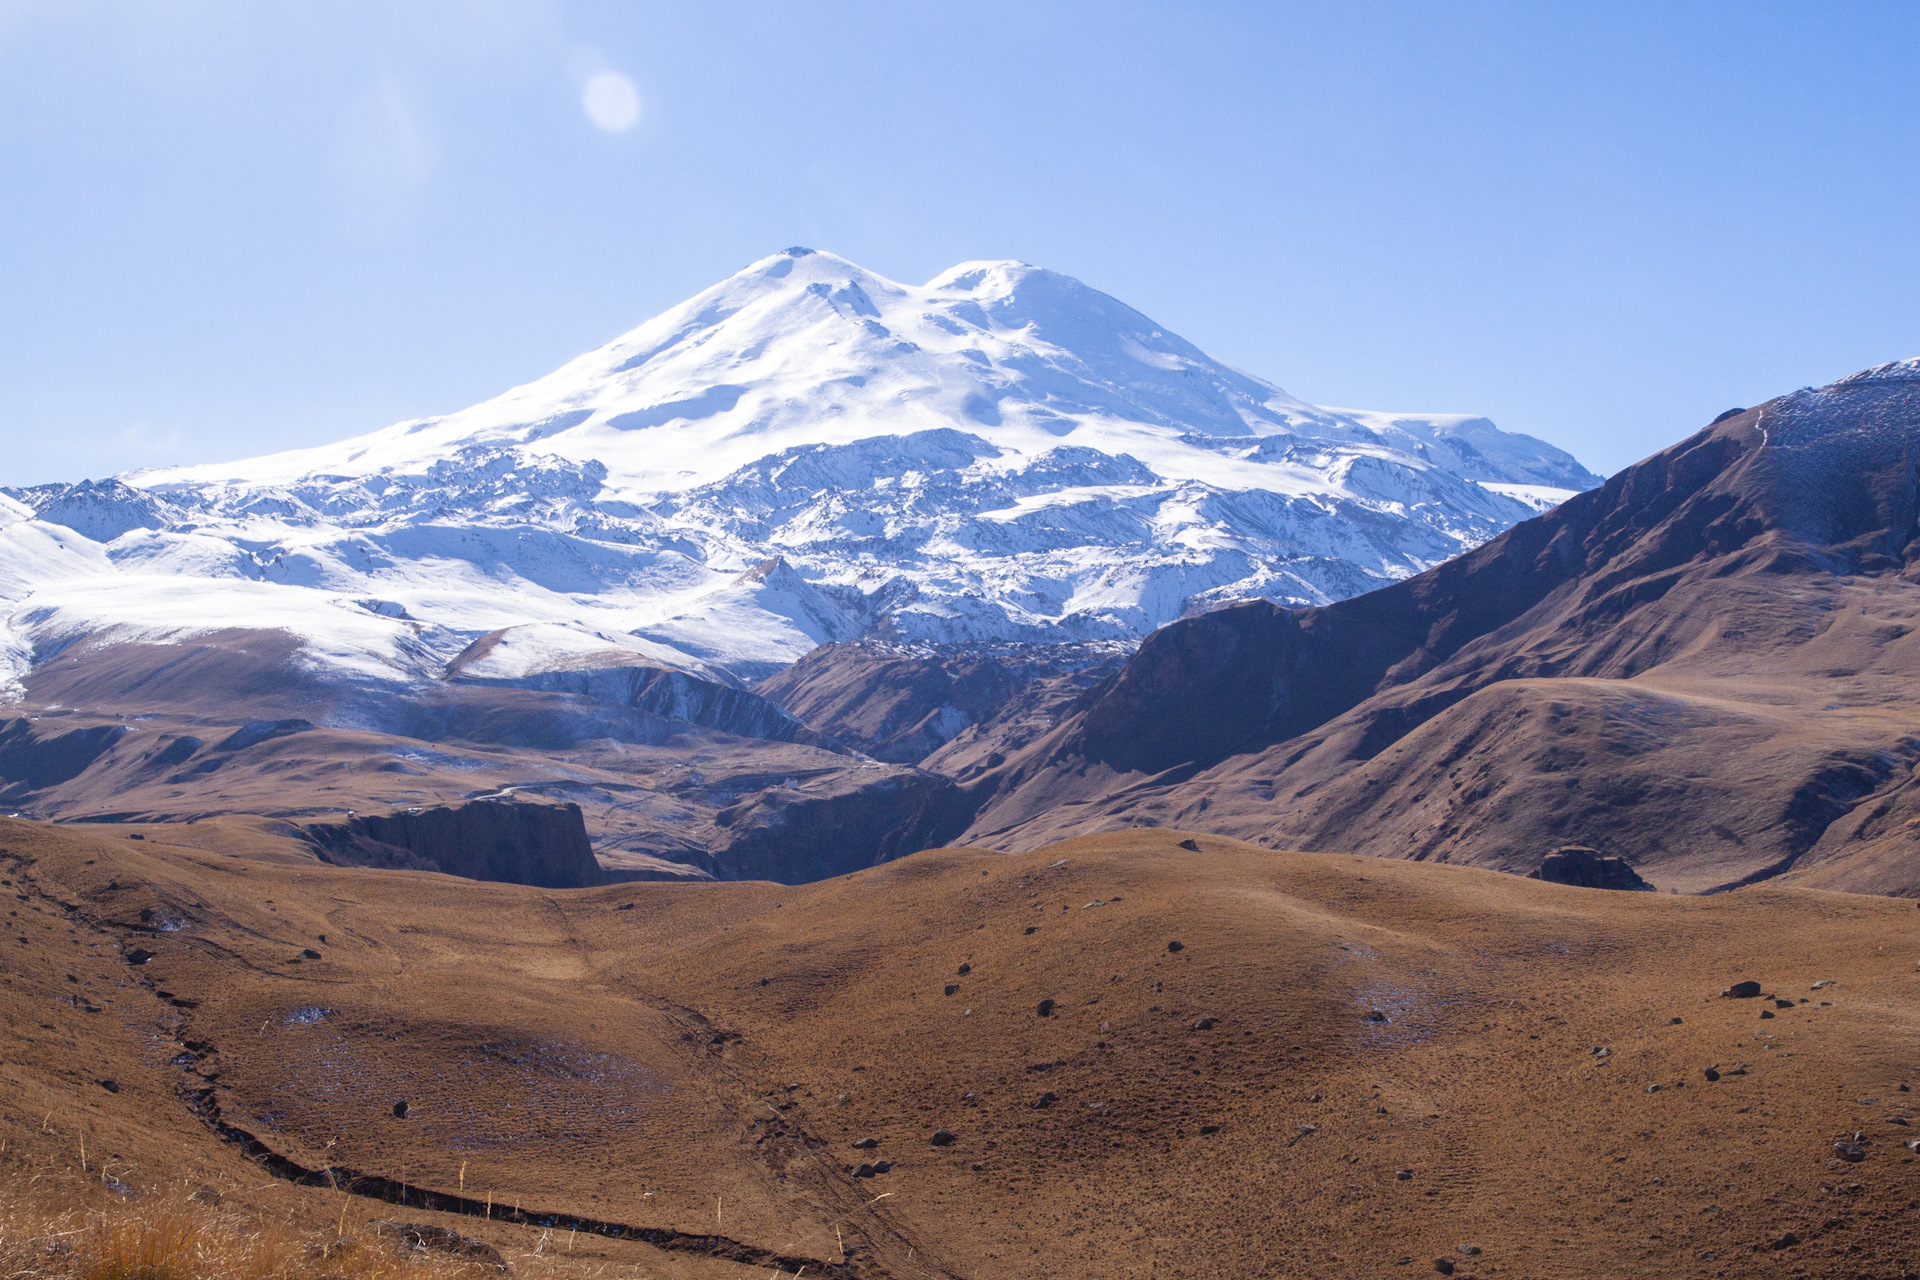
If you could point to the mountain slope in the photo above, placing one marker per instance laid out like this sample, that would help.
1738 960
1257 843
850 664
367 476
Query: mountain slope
804 453
1343 1069
1704 666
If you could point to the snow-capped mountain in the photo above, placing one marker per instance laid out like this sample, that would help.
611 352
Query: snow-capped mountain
804 452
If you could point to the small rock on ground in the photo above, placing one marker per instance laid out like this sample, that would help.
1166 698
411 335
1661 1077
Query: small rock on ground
425 1236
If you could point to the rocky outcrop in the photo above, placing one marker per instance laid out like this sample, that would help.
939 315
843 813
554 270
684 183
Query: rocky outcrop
1586 868
794 838
901 703
32 757
671 695
515 841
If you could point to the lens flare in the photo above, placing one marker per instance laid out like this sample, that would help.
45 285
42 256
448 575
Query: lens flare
611 102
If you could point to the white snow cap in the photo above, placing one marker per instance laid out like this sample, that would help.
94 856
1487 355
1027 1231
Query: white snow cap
1001 453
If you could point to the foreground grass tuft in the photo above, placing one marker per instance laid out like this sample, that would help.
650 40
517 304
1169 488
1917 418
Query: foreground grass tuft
176 1235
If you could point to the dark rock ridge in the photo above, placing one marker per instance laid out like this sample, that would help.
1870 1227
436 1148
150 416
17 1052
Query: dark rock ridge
516 841
1674 665
35 755
901 703
1586 868
671 695
795 838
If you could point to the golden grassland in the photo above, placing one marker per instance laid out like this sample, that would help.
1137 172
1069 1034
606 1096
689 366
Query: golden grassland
59 1226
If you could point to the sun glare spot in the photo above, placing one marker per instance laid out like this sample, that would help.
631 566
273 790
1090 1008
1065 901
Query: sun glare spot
611 101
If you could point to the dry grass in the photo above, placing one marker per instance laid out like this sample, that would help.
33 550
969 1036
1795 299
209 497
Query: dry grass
169 1234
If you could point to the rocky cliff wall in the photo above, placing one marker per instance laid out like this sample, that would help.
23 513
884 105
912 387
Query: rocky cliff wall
516 841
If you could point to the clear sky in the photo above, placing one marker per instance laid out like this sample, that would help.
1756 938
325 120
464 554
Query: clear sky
233 227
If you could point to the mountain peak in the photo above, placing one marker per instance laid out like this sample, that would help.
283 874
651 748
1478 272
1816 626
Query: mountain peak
1892 371
1003 453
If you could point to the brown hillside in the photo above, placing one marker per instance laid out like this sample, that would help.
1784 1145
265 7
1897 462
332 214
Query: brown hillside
1705 666
698 1064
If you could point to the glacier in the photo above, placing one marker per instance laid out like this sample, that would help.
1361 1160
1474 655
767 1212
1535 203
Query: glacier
805 453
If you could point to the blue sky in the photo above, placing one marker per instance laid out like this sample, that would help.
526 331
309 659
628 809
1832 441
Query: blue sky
227 228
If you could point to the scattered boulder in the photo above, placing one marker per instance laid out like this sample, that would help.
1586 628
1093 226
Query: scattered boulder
1176 947
865 1144
1376 1015
1443 1265
400 1109
1767 1013
965 969
1045 1100
109 1084
426 1237
1044 1008
944 1137
139 956
1786 1241
1851 1152
1208 1130
1741 991
1711 1074
1782 1004
1585 868
1404 1175
952 987
309 954
1190 845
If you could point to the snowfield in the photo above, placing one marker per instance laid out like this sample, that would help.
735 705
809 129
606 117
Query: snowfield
804 452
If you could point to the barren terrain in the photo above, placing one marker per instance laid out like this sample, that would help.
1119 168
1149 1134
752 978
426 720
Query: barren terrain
1345 1063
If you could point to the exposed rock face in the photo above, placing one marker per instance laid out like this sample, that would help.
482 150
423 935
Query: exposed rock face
1697 663
1586 868
794 838
671 695
902 703
511 840
32 758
